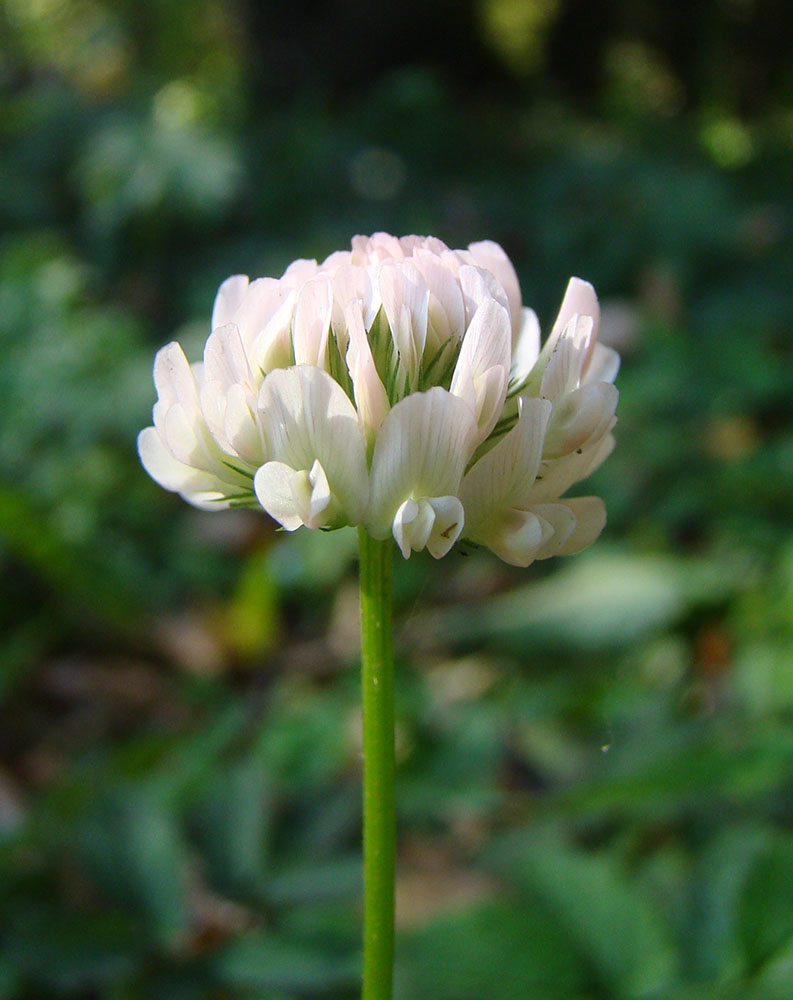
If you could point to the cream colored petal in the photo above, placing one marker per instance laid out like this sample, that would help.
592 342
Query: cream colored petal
583 416
405 299
579 298
446 310
516 536
562 374
481 373
479 285
313 312
590 515
558 475
491 256
278 489
241 426
526 349
433 523
505 476
371 400
228 300
174 378
225 360
421 451
563 522
604 365
306 417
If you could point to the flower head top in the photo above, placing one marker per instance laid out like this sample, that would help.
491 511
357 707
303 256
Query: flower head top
400 385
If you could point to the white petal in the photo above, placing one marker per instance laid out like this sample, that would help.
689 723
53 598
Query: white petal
580 298
371 399
295 496
562 374
604 364
562 521
313 312
491 256
351 284
306 417
412 525
516 536
225 360
264 299
421 451
183 437
558 475
583 416
527 348
274 486
434 523
299 272
241 426
504 477
481 372
405 299
272 347
446 311
447 525
478 286
168 471
228 300
590 515
174 378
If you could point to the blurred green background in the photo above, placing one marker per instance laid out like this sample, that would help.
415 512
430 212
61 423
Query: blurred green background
596 754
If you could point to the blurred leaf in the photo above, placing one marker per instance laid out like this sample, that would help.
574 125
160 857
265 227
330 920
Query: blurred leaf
608 921
335 879
70 951
232 824
602 600
506 950
766 911
132 846
266 962
710 940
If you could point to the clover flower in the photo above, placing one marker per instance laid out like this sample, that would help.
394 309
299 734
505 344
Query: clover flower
401 386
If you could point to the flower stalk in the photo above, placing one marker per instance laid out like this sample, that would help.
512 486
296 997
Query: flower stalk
379 825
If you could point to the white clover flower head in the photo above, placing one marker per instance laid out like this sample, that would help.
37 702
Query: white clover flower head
400 385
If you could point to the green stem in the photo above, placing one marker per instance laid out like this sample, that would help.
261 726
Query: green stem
379 827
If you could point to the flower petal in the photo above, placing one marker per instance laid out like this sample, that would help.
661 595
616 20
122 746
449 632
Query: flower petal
228 300
421 451
479 285
481 373
306 418
580 298
526 349
590 515
405 299
562 374
433 523
491 256
583 416
295 496
197 486
313 312
504 477
371 400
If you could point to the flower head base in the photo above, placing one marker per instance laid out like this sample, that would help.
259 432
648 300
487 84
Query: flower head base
399 385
